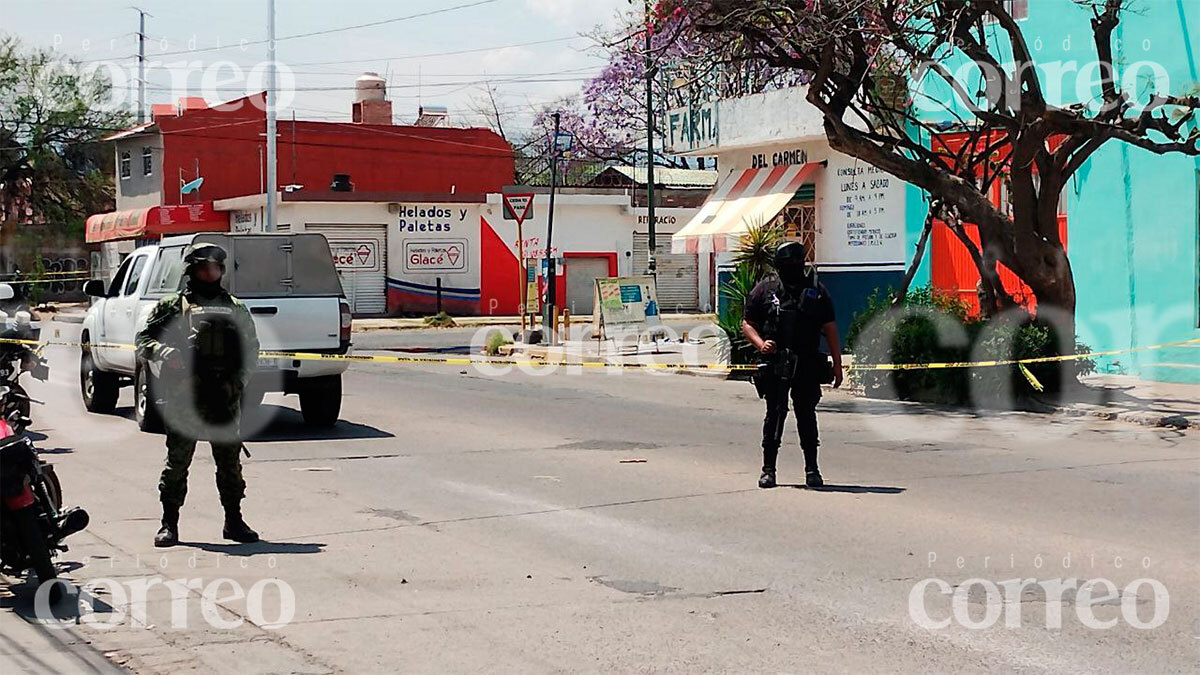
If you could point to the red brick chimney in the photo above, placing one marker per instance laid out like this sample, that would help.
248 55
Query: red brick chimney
370 100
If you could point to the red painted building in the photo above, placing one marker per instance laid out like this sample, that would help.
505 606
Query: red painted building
224 146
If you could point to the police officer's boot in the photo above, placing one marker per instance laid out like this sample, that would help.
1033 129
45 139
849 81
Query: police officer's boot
236 529
168 534
767 479
812 475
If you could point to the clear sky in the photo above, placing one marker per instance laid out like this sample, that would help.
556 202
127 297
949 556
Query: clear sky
406 51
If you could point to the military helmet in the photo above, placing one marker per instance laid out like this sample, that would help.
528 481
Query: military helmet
202 252
790 253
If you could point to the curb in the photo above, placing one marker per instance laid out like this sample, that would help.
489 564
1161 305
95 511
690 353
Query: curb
1145 419
481 322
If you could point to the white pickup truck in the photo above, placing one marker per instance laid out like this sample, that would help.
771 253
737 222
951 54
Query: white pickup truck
288 282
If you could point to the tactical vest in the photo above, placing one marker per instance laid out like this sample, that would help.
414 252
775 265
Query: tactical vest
214 338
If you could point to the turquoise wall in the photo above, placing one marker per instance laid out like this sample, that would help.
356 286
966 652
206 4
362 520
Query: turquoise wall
1133 216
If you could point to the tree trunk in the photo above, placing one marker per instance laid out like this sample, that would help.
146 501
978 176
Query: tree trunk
1050 277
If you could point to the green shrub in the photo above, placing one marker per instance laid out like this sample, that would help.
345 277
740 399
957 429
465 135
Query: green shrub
936 327
494 342
738 349
440 320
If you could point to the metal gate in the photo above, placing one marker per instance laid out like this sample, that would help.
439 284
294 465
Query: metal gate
678 273
360 256
581 282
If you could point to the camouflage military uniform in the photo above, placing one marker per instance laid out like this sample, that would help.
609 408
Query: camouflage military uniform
201 400
203 344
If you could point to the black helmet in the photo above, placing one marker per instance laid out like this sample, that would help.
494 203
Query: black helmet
790 253
198 253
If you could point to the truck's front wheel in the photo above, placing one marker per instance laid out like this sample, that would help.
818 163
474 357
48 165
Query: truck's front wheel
99 389
321 400
144 405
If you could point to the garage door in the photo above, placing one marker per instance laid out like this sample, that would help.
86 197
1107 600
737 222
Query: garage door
360 255
678 273
581 282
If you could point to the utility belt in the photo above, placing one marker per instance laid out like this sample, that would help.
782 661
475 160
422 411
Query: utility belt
788 366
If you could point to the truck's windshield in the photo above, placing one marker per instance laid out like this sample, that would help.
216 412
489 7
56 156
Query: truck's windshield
273 265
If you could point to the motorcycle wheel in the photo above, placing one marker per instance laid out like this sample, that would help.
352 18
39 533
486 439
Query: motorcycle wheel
38 554
53 487
22 399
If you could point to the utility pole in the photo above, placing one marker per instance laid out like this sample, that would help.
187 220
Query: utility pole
141 63
548 310
650 262
272 164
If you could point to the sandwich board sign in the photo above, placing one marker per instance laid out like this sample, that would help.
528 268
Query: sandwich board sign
518 206
625 303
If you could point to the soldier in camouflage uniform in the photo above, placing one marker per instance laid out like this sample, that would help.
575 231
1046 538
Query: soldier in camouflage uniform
203 343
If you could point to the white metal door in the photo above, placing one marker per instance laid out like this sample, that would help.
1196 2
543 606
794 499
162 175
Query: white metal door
678 273
360 256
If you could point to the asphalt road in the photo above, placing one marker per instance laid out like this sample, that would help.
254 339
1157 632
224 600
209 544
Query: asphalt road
456 522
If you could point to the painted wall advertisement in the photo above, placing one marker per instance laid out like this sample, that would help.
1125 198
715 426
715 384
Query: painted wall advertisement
448 255
355 255
434 252
245 222
862 216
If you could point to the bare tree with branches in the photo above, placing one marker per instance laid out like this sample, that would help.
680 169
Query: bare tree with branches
865 56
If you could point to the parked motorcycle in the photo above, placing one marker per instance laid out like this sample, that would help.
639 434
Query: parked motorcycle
17 358
33 523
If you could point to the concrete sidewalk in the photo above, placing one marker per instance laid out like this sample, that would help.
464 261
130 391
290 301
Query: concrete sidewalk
1132 399
27 647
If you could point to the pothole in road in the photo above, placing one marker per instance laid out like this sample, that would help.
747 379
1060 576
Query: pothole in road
607 445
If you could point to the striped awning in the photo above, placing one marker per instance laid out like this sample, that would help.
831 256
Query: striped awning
155 221
743 200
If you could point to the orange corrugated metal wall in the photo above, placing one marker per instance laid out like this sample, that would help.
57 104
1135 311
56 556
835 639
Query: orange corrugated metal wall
951 267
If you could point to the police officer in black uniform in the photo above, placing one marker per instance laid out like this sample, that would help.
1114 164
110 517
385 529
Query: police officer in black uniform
785 316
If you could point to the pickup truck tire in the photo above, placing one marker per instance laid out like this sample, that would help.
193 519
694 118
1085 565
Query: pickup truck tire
321 400
144 408
98 388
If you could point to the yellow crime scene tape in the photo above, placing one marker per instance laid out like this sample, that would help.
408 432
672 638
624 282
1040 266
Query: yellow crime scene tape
56 280
50 274
467 360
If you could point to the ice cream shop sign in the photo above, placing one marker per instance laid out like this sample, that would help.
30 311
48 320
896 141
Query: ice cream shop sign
447 255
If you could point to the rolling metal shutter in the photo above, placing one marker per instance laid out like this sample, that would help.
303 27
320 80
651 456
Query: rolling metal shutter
678 273
366 288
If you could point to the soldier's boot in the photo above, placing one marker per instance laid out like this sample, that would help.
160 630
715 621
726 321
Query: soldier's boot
767 479
812 475
236 529
168 534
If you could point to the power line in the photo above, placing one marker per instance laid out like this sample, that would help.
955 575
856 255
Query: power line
329 31
543 80
430 55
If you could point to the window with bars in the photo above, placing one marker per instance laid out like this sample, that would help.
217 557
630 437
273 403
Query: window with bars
147 161
126 164
799 220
